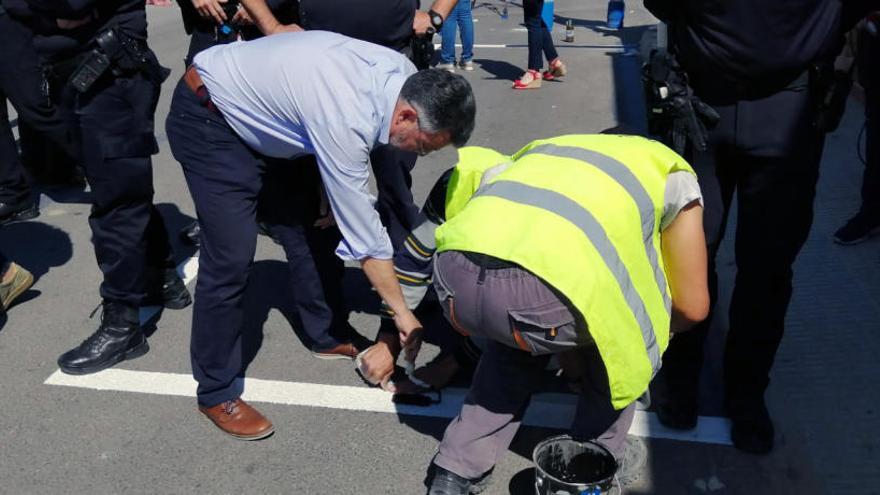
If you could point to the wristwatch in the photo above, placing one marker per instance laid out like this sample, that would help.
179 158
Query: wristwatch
436 20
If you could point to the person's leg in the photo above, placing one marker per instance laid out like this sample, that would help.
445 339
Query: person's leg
676 385
547 45
534 26
224 179
775 211
480 435
447 43
596 418
22 80
466 24
15 193
289 205
116 123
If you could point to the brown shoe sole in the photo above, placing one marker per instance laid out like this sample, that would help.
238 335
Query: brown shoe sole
21 288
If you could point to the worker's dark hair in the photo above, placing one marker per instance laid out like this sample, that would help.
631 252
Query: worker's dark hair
444 101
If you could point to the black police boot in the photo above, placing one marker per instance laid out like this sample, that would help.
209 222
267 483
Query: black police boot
14 210
445 482
118 338
173 293
190 234
751 428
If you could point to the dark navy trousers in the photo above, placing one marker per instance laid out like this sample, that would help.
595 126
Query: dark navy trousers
21 80
765 151
289 204
224 178
115 121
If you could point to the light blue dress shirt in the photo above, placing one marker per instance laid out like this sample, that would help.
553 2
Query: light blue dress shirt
319 93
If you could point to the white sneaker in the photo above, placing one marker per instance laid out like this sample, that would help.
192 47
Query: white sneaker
466 65
446 66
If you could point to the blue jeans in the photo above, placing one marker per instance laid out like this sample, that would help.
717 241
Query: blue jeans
539 36
459 17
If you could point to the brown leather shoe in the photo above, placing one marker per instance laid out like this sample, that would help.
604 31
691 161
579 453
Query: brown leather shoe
238 419
341 351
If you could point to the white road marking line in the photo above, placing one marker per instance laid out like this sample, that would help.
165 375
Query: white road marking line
545 410
548 410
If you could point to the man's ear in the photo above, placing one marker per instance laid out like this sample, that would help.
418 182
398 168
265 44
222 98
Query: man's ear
405 113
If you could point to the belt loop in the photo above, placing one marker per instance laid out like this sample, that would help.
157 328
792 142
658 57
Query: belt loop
481 277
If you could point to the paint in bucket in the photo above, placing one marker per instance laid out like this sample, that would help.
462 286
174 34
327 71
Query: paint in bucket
564 466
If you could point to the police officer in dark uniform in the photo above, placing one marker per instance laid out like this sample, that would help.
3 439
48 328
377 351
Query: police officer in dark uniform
110 81
763 69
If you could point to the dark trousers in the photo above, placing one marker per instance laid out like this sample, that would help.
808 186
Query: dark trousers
13 184
115 121
21 82
870 76
289 204
540 41
766 152
498 304
224 178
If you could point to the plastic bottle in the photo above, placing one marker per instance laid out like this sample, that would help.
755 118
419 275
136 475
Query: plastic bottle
504 14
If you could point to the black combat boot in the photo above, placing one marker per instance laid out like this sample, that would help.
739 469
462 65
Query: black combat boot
25 207
172 293
118 338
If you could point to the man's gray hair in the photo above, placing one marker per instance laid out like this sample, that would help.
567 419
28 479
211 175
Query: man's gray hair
444 102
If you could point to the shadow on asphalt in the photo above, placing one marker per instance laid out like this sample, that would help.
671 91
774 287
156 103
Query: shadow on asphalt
499 69
45 246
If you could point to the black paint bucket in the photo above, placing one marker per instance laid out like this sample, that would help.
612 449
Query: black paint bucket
564 466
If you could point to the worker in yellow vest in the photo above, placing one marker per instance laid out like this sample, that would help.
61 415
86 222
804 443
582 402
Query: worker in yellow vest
590 247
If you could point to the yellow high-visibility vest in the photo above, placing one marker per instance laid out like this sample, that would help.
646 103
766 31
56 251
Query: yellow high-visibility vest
582 212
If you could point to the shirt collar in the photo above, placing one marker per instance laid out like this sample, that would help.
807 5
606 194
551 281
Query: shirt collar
392 93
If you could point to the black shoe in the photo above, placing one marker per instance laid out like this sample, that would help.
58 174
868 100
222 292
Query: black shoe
859 228
445 482
190 234
676 414
118 338
752 430
17 210
173 294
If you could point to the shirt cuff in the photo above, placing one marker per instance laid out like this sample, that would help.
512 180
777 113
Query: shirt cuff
381 251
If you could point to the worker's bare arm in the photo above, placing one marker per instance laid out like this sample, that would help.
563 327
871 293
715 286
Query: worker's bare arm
684 254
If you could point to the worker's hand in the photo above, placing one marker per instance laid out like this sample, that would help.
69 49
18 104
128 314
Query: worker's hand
211 9
73 23
377 362
242 18
421 23
409 330
286 28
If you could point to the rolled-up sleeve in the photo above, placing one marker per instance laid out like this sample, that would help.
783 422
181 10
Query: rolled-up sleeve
343 160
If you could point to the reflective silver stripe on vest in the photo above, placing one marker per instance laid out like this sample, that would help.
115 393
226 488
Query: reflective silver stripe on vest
623 176
584 220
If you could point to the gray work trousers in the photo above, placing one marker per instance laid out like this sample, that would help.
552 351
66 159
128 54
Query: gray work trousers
526 322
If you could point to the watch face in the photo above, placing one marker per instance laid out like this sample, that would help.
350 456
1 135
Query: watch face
436 20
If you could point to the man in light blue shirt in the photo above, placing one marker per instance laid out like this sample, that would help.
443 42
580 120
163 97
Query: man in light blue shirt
284 96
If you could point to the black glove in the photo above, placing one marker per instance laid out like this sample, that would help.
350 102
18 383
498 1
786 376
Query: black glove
675 115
